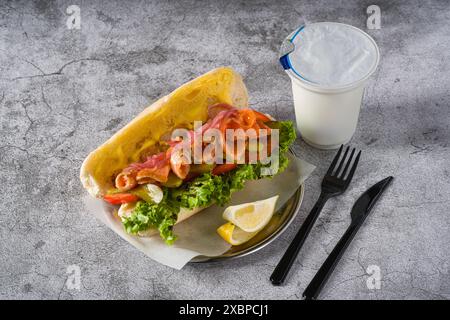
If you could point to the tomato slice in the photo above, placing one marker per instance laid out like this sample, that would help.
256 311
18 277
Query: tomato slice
120 198
223 168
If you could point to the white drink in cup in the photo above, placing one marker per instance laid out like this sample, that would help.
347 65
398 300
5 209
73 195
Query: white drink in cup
329 64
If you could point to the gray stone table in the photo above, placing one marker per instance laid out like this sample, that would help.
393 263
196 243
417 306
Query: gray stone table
64 91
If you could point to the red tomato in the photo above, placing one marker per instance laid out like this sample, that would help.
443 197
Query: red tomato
223 168
120 198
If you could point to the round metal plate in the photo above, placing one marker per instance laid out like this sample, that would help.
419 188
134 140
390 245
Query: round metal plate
277 225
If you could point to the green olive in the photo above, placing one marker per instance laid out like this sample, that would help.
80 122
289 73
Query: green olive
142 193
201 168
172 181
273 124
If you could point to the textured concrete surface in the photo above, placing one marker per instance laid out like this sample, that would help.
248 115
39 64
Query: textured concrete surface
63 92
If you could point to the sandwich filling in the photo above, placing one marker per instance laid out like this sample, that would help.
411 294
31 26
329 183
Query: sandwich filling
195 168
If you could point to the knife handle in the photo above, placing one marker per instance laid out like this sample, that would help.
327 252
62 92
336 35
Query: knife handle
282 269
321 277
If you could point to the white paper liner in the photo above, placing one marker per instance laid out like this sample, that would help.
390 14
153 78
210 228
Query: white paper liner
197 235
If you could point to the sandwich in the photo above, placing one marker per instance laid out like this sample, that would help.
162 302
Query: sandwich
188 150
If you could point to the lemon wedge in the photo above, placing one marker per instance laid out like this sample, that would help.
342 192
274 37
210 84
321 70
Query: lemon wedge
234 235
246 220
253 216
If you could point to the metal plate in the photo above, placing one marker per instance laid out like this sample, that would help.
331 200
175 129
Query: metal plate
277 225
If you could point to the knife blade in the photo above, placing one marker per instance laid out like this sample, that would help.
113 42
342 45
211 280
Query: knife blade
361 209
367 200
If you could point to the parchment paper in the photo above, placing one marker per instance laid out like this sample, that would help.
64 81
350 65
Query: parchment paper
197 235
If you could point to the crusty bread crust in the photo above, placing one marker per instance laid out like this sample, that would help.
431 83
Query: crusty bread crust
182 107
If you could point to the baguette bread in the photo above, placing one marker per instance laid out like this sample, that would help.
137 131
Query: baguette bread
179 109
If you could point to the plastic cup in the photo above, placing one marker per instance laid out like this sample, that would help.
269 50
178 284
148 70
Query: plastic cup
326 112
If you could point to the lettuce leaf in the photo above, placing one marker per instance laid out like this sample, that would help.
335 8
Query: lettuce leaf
199 192
202 191
287 135
161 216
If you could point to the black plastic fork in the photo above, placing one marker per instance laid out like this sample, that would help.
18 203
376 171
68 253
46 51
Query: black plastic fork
335 182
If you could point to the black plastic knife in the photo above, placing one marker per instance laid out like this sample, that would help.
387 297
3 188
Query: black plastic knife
360 211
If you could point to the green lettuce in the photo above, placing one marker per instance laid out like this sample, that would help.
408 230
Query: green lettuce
161 216
203 191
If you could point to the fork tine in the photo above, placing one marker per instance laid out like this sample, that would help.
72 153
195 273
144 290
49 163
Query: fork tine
336 158
342 161
352 170
348 164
